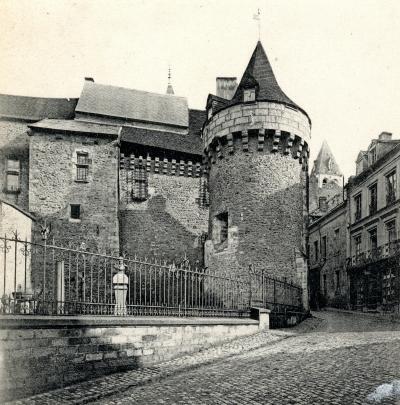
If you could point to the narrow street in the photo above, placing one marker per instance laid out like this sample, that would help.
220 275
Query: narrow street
341 360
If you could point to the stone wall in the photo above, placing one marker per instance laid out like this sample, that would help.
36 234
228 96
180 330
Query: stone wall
53 188
263 196
171 222
37 354
257 115
14 144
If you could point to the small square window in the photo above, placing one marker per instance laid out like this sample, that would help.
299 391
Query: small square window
75 211
249 95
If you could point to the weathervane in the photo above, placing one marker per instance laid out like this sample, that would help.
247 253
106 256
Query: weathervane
169 74
257 17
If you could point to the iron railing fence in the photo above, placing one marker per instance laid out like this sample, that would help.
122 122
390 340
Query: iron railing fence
45 279
373 255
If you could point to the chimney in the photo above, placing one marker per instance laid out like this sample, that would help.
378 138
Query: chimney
226 87
385 136
89 79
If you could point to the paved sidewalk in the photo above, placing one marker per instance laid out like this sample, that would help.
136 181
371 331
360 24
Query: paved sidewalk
95 389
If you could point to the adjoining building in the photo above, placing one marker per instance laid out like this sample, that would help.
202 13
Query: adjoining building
327 232
353 246
372 217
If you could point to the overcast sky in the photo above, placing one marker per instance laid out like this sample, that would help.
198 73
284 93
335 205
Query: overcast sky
339 59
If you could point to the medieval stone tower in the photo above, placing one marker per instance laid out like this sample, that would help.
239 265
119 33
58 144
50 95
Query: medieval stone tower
256 148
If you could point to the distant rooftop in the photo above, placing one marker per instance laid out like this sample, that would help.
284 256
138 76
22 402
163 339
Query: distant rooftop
36 108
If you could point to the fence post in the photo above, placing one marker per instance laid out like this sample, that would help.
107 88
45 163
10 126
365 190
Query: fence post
185 288
250 292
60 287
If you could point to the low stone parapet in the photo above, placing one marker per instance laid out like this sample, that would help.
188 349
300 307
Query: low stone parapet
41 353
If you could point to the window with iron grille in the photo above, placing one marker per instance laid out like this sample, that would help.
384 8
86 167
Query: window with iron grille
12 175
82 166
391 185
140 183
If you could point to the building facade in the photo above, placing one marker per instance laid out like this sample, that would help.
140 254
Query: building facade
353 245
373 217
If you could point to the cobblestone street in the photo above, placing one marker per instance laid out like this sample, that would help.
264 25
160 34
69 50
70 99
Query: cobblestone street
336 358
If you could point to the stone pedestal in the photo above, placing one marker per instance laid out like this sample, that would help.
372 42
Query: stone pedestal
120 283
262 315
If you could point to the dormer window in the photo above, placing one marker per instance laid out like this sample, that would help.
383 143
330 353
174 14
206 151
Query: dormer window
372 155
249 95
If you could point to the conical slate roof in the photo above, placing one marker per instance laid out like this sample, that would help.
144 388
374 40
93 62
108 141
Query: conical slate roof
325 162
259 71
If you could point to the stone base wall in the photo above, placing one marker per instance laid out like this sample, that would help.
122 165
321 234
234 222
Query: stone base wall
38 354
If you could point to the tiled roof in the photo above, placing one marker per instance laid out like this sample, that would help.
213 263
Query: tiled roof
325 162
259 71
36 108
196 121
189 143
133 105
73 126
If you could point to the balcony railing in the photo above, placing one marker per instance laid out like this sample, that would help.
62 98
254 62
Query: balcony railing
373 255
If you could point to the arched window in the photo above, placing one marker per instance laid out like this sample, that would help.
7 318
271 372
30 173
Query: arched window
324 182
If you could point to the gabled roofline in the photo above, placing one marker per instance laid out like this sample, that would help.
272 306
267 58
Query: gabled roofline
26 213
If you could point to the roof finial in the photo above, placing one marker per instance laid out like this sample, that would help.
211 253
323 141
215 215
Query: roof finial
170 90
257 17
